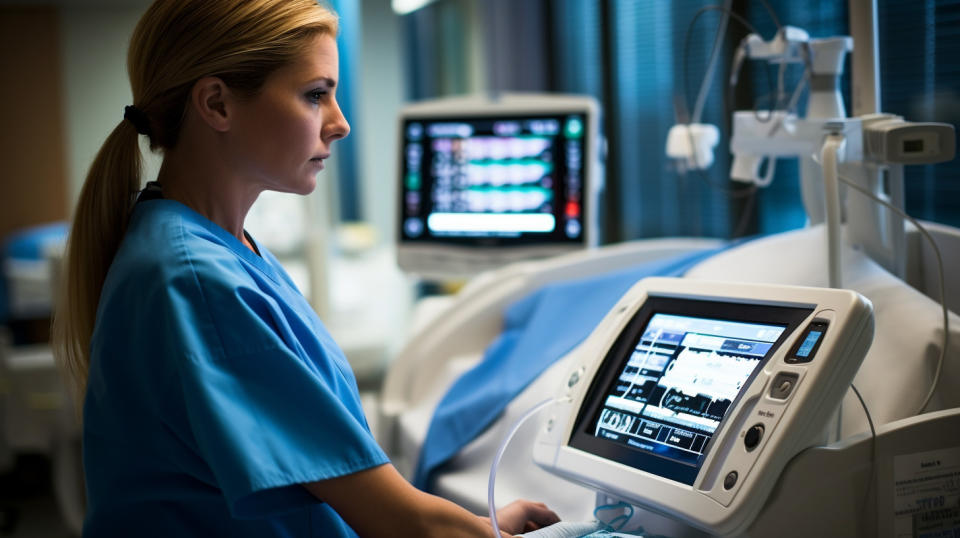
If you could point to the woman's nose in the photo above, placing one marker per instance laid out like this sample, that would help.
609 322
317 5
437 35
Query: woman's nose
337 127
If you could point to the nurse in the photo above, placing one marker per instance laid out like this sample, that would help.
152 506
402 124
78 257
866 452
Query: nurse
214 401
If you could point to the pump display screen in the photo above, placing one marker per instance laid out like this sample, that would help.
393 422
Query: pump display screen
679 381
669 386
494 181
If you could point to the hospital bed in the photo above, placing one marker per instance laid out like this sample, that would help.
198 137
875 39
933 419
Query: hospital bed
839 486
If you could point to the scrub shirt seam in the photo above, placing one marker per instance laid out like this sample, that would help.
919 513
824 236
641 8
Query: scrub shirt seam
203 295
242 355
373 459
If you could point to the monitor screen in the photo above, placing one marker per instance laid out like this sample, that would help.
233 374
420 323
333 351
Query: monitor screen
494 181
666 389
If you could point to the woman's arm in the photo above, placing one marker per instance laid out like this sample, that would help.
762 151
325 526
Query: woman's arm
380 502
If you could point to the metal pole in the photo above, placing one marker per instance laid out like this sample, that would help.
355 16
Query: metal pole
866 57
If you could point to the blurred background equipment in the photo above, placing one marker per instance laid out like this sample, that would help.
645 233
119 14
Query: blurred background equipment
490 180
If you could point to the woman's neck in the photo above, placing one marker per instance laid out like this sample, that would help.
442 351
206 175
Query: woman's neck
207 188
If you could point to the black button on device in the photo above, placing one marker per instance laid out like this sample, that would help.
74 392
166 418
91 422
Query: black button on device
753 437
730 480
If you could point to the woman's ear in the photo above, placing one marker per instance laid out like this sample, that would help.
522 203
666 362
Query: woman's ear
210 99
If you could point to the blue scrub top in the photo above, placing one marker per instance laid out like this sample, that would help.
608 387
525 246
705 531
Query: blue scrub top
214 391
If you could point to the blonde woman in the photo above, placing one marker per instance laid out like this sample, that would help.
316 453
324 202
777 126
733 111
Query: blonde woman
214 401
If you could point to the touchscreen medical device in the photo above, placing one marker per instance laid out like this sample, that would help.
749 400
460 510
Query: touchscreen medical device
485 182
690 396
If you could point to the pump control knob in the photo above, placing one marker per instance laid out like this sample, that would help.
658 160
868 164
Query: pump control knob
753 437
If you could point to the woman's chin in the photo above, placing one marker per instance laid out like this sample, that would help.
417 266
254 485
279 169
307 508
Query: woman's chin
305 186
307 189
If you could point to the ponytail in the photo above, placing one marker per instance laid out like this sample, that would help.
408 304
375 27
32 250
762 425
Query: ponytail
98 227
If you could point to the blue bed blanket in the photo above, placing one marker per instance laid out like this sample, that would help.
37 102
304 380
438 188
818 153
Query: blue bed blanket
538 330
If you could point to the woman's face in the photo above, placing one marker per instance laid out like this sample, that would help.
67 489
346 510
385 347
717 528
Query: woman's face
284 133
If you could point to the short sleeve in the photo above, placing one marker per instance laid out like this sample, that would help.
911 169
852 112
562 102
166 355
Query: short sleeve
266 418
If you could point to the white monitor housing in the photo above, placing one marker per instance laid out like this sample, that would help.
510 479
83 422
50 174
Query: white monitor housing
485 181
690 396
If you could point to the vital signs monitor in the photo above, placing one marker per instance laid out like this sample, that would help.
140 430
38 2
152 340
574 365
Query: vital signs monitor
489 181
690 396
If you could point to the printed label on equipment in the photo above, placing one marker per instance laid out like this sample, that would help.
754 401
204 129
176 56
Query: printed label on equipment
926 492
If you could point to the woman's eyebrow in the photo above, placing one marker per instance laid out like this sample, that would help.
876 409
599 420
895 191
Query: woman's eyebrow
329 82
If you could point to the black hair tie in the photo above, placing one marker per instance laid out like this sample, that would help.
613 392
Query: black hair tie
137 117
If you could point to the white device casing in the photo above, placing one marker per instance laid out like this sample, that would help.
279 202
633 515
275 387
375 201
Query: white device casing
790 425
886 139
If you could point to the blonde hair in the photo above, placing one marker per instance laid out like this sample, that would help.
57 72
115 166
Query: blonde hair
176 43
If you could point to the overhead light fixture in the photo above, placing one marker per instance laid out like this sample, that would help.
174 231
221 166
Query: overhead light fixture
402 7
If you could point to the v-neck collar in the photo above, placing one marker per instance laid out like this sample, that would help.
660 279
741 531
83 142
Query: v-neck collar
255 259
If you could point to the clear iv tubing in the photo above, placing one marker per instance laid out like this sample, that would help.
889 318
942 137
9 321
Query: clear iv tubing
943 304
491 505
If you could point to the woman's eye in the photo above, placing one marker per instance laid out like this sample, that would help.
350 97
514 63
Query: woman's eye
316 95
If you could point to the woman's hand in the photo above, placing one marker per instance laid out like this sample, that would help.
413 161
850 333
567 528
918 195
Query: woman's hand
525 516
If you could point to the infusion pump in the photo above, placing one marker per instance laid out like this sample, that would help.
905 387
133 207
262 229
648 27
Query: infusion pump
690 396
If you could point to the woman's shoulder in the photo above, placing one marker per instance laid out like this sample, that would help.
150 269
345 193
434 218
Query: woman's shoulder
182 272
168 248
167 233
